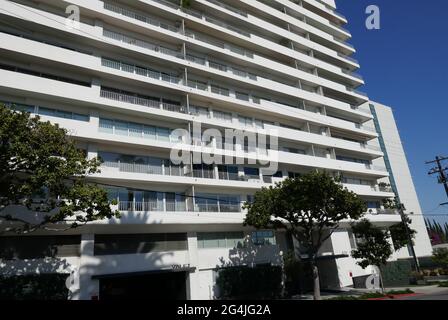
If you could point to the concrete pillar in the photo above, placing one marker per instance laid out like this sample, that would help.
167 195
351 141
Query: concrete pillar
193 288
92 151
88 288
96 87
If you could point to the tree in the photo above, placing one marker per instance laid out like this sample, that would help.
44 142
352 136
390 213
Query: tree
399 234
185 3
440 256
38 160
373 247
309 207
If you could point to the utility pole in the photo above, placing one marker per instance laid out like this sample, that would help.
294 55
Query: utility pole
411 246
441 171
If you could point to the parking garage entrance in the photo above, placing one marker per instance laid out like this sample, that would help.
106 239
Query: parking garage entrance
144 286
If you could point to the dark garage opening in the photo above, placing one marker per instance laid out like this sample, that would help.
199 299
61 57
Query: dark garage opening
153 286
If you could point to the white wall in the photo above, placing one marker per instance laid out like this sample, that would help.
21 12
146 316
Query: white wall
403 179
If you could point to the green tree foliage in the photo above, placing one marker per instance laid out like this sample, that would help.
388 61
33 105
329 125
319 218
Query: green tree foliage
242 282
373 247
309 207
185 3
399 233
440 256
32 287
38 160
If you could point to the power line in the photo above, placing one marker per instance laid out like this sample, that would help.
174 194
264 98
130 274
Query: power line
440 170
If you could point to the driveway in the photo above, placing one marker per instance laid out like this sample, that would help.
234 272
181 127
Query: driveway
429 293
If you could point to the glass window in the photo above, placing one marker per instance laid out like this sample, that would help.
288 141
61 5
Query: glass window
163 134
121 128
220 239
149 132
263 238
242 96
81 117
278 174
46 112
135 130
106 125
252 172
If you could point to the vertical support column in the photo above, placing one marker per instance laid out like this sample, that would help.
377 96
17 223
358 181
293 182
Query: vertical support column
92 151
193 288
96 87
88 288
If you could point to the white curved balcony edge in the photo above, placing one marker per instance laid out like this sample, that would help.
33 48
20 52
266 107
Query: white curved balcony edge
66 91
284 33
311 15
96 33
93 63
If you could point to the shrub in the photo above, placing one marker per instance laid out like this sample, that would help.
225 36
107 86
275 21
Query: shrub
440 256
393 292
427 273
260 282
34 287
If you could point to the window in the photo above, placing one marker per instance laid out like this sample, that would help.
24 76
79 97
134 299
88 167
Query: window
228 172
262 238
203 171
139 243
352 239
343 158
62 114
218 66
208 240
34 247
252 173
106 126
199 111
226 116
242 96
220 90
373 205
278 174
245 121
294 175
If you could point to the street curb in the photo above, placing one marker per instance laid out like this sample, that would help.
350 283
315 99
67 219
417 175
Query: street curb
395 296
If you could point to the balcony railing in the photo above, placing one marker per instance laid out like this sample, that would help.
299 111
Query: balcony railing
362 93
343 42
142 44
213 207
230 8
134 15
115 64
156 104
140 206
129 99
348 58
353 74
384 211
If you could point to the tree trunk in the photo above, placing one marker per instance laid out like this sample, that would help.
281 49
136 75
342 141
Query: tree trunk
381 280
316 282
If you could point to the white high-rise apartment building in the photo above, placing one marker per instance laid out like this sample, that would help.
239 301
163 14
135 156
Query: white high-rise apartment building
130 72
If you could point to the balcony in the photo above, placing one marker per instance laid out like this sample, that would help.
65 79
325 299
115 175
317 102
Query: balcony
141 100
141 43
140 17
213 207
152 206
146 72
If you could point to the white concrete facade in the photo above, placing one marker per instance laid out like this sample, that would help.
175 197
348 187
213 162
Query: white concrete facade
136 70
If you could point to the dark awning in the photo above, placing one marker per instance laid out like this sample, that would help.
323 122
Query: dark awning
141 273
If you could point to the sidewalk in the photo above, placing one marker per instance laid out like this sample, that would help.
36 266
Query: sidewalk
352 292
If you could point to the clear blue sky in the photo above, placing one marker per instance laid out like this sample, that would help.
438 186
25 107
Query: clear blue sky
405 66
